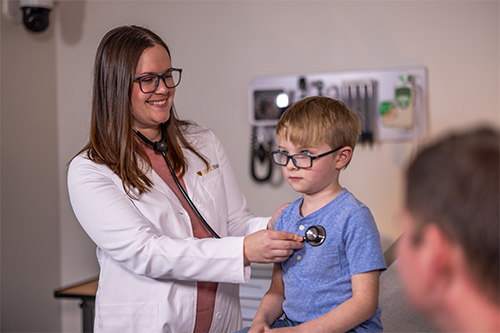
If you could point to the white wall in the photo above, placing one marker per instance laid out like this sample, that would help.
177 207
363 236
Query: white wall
222 45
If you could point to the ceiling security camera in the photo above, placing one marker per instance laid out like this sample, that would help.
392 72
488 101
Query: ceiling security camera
36 14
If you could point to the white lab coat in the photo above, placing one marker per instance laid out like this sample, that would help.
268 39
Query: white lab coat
149 259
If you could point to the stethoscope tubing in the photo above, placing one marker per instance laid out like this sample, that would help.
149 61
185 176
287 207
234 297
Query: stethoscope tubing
161 147
190 202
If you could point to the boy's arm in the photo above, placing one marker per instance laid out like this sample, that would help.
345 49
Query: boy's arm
271 306
351 313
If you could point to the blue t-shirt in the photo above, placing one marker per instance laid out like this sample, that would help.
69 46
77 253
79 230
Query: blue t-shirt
317 279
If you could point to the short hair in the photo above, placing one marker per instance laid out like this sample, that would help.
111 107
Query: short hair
454 184
318 119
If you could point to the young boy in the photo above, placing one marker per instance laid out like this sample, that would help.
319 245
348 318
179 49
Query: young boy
332 286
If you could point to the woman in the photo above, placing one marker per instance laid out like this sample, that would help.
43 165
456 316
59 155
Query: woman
162 270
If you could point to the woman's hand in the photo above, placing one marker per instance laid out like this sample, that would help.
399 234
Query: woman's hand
268 246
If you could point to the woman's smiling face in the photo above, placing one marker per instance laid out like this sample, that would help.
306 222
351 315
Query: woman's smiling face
152 109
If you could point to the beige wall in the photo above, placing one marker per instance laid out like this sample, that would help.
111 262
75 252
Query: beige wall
222 46
30 240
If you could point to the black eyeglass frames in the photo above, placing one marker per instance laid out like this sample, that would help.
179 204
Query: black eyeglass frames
301 161
149 82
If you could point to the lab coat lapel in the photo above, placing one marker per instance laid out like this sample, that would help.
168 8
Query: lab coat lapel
190 178
161 186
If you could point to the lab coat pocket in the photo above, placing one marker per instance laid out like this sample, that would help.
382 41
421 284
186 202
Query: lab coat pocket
211 178
213 187
137 318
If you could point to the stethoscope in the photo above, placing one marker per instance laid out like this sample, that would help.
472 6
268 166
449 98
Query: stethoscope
315 235
161 147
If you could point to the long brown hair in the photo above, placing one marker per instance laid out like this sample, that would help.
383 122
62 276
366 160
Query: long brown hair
112 140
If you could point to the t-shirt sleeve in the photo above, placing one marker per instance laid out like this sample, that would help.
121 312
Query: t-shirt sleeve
362 242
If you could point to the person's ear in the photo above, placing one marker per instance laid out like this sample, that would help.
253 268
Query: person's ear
437 251
343 157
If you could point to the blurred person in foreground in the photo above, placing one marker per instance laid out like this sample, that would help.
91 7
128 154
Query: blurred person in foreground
449 251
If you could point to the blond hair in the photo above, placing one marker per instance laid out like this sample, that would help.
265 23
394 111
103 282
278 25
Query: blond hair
318 119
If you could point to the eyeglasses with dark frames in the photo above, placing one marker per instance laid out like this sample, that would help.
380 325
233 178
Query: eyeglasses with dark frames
149 82
301 161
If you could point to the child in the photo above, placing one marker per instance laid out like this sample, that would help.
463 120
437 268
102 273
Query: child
332 286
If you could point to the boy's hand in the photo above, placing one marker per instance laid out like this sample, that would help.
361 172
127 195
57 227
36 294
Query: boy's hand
290 329
270 224
258 328
269 246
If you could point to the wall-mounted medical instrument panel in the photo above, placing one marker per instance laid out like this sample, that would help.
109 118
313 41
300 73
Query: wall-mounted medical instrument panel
391 103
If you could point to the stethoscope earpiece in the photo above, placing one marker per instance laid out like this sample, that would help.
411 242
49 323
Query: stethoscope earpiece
315 235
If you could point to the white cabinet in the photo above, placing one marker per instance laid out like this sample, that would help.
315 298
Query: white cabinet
252 292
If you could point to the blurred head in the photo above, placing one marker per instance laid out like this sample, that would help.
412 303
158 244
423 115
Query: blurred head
317 120
452 194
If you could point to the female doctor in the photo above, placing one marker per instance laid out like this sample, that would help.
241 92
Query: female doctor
162 269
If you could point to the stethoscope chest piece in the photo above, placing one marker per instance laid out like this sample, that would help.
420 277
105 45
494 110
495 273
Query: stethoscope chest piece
315 235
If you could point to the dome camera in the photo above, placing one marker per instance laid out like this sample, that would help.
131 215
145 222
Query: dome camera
36 14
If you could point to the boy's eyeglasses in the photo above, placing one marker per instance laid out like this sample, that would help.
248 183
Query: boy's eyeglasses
301 161
149 82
